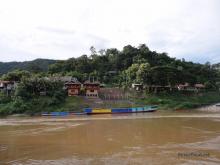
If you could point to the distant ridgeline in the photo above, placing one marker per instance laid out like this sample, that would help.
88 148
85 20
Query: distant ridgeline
35 65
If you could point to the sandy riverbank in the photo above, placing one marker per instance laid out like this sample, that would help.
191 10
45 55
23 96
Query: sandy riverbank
210 108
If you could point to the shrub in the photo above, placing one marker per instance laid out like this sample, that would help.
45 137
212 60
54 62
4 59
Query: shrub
4 99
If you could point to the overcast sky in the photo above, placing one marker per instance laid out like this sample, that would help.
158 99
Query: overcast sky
60 29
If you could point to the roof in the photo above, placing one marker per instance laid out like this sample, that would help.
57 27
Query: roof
199 86
73 81
6 82
94 82
160 86
2 81
137 84
112 71
184 85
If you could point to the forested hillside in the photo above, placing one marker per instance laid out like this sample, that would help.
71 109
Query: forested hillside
140 65
37 65
130 65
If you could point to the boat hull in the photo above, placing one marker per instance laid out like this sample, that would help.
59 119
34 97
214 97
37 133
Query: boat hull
120 112
95 111
91 111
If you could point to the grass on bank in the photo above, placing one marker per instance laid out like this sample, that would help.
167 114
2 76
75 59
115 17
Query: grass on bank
179 101
41 104
175 101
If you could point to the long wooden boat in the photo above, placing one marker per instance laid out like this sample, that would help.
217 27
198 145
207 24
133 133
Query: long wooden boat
92 111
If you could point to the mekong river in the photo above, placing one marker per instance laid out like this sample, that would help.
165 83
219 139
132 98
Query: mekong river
145 138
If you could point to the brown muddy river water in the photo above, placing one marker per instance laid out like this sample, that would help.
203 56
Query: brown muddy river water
149 138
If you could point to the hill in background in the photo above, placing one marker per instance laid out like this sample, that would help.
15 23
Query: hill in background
40 65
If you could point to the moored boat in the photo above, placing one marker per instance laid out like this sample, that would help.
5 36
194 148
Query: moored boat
91 111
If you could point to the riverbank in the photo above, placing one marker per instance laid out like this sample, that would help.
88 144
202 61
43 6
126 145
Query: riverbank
180 101
171 102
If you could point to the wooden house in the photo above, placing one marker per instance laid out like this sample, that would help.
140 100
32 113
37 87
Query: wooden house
187 87
7 86
91 88
199 87
182 87
137 87
73 87
160 88
3 84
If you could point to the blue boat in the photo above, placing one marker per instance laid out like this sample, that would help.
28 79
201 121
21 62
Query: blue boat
91 111
55 114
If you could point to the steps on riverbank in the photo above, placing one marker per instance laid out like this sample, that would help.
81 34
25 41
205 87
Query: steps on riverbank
99 103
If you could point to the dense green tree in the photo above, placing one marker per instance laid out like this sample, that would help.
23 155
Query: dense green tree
143 73
137 73
16 75
165 75
58 67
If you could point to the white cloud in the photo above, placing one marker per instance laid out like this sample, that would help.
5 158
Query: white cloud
62 29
